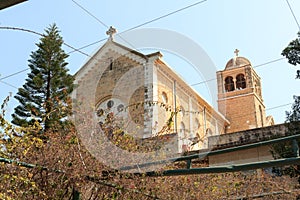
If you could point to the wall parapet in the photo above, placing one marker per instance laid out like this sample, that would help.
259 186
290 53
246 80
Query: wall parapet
248 136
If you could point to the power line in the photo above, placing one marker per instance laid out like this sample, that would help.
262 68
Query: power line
293 14
205 81
145 23
42 35
282 105
251 113
101 22
166 15
80 6
20 29
266 63
8 84
5 77
88 45
36 33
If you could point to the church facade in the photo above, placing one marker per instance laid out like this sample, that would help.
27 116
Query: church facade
144 97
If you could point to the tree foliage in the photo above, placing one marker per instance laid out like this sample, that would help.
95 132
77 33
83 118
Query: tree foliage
291 148
61 168
45 95
292 53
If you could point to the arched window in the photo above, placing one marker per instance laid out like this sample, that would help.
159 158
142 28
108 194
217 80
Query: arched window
182 111
257 88
164 98
183 138
209 132
240 81
111 62
261 116
182 129
229 84
197 126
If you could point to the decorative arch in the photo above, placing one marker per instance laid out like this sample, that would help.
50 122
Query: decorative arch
229 84
240 81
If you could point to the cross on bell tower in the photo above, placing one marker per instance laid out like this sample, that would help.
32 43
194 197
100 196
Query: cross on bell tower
236 51
111 31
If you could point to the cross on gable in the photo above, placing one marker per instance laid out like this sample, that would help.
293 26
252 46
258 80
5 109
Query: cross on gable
236 51
111 31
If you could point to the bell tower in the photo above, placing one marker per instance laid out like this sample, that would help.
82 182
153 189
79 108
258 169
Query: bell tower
239 95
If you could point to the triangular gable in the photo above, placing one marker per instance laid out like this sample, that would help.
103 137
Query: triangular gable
110 46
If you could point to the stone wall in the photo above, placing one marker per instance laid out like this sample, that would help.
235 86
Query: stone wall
246 137
255 154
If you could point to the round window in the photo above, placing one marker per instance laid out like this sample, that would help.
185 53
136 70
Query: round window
110 104
120 108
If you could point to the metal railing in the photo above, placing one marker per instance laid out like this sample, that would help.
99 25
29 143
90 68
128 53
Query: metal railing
228 168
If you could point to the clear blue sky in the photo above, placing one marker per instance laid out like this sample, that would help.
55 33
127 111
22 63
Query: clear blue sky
260 29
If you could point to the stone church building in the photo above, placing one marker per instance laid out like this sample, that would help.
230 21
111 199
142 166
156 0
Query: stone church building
143 96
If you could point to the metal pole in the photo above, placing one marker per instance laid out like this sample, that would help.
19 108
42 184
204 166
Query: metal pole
175 105
295 148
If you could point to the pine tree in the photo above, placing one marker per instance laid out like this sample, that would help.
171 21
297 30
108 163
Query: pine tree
45 96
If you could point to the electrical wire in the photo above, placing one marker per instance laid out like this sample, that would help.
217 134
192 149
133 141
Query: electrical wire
202 82
251 113
80 6
39 34
163 16
42 35
88 45
8 84
5 77
102 23
293 14
282 105
145 23
263 64
266 63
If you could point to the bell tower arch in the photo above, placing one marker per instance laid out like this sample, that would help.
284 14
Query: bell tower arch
239 95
